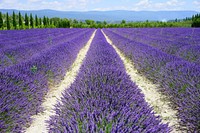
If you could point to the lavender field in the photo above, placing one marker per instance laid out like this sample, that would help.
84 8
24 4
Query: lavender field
103 97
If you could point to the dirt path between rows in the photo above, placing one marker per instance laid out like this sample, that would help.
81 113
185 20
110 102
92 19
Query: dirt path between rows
39 125
153 97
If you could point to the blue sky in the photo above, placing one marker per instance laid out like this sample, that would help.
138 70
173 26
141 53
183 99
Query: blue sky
88 5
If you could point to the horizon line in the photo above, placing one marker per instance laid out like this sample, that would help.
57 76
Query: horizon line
99 10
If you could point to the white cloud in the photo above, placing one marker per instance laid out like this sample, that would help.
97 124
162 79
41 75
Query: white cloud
46 4
196 3
9 1
10 4
84 5
144 3
34 0
175 3
150 5
102 9
110 8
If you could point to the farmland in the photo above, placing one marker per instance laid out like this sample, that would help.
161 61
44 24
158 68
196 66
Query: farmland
109 80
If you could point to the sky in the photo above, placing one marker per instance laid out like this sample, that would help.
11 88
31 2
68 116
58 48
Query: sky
101 5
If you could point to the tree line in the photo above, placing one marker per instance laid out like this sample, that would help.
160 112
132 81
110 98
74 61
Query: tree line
28 21
196 20
18 21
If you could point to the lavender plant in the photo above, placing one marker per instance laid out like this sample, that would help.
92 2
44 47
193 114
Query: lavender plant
103 98
22 51
178 78
23 86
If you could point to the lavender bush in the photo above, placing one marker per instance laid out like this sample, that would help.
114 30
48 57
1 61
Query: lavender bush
168 40
178 78
20 52
190 53
24 85
103 98
182 83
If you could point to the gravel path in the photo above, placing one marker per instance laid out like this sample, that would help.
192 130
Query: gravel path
153 97
38 125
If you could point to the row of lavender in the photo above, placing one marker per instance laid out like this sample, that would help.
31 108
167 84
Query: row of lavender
19 37
17 50
179 79
103 98
184 45
23 86
179 35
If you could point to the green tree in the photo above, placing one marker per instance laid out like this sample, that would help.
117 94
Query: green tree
55 21
47 21
31 21
7 21
196 23
51 21
14 20
40 22
196 20
66 23
20 21
1 21
73 23
36 21
44 21
26 20
104 24
123 22
90 22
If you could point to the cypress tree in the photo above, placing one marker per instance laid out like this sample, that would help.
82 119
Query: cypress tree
14 20
20 21
1 21
40 22
31 21
7 21
47 21
196 21
51 21
26 20
44 21
36 21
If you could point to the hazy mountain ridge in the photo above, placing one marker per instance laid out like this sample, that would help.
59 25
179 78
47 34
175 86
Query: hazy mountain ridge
117 15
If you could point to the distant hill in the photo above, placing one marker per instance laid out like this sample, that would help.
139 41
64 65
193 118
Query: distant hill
117 15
